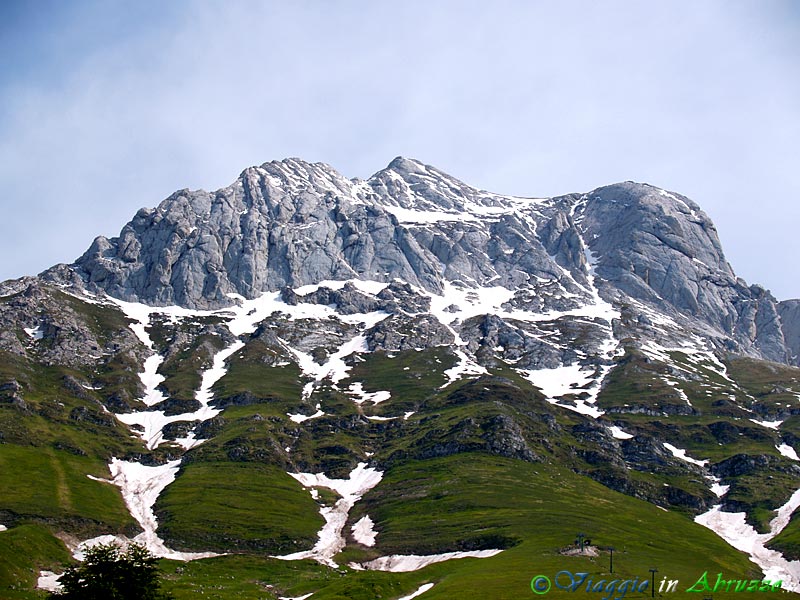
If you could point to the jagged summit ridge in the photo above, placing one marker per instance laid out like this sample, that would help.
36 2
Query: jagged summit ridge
290 223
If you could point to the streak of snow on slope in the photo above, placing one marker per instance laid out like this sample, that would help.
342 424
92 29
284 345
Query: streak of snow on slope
671 196
411 216
420 590
574 378
140 486
3 528
676 386
404 563
215 373
331 541
734 529
768 424
153 422
296 597
245 316
204 395
716 487
681 454
364 532
334 368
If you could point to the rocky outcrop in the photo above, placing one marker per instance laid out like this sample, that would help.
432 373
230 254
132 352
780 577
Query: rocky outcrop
58 329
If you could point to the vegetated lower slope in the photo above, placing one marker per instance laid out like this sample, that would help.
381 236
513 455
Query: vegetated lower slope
467 500
480 463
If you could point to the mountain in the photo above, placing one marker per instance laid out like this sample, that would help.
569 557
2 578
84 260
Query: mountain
445 369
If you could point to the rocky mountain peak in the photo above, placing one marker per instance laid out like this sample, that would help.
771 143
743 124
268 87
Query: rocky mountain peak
291 223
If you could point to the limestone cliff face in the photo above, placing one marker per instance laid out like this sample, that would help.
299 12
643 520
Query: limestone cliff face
789 311
290 223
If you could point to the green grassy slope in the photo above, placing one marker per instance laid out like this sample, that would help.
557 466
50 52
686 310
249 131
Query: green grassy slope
236 507
476 500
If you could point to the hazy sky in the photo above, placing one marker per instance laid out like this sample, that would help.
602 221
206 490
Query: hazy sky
109 106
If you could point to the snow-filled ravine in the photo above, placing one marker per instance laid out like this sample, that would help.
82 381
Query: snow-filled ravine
734 529
330 538
404 563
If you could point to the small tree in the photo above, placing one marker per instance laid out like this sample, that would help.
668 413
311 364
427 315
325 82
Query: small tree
110 573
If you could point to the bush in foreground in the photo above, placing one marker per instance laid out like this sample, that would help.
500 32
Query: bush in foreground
112 573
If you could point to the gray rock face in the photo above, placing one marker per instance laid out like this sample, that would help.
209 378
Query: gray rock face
288 224
58 329
660 248
281 224
789 311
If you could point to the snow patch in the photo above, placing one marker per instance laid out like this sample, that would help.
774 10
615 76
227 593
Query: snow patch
372 288
334 368
570 379
245 316
364 532
357 389
49 581
619 433
35 333
787 451
79 551
717 488
410 216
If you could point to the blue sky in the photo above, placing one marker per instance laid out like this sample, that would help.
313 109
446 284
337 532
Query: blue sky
109 106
